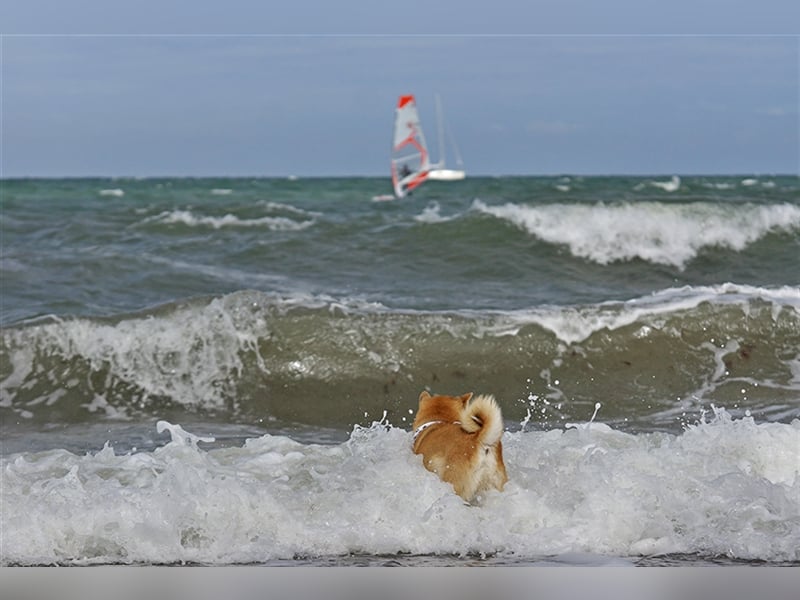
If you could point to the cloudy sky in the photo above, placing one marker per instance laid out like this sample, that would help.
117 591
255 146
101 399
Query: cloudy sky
262 89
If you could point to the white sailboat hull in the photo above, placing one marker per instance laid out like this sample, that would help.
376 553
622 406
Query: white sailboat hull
446 175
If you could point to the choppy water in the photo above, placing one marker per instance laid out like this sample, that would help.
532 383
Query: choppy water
296 322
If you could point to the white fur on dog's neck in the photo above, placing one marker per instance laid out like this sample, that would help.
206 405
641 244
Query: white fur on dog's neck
424 426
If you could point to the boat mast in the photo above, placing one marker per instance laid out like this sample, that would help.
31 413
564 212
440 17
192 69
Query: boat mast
440 131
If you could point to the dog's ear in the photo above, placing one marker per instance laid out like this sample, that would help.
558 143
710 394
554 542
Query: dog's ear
466 398
424 395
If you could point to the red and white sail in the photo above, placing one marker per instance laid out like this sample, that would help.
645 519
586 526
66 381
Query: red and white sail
410 159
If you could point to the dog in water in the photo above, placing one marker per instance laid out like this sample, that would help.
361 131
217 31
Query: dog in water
459 439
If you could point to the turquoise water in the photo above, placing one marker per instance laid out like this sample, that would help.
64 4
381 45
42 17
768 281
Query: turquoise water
296 321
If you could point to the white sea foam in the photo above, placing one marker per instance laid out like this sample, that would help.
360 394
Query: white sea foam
432 214
670 234
668 186
575 324
115 192
186 217
191 354
290 208
726 487
714 185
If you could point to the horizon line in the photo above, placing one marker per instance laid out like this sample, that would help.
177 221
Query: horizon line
363 176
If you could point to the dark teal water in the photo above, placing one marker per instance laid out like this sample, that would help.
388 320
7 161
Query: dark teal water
103 247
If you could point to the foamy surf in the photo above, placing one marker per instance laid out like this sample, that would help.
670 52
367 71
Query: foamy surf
660 233
672 185
432 214
724 487
189 219
250 355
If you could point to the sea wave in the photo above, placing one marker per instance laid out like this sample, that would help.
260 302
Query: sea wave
334 362
724 487
190 219
657 232
432 214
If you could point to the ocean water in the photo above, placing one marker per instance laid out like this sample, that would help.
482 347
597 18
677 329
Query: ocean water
225 371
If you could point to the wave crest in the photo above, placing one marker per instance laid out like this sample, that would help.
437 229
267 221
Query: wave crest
328 363
189 219
660 233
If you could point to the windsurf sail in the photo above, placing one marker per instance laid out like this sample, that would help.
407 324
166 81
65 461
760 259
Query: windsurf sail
410 160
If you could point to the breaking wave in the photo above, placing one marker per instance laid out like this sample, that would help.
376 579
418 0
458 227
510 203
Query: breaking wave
724 487
329 362
657 232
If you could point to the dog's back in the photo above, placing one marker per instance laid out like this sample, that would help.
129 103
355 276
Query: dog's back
459 439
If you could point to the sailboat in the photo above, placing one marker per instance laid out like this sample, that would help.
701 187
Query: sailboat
410 158
439 171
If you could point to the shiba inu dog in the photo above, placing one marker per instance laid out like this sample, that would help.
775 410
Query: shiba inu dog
459 439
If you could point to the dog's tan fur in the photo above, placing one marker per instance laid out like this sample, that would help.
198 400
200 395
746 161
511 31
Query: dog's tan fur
459 439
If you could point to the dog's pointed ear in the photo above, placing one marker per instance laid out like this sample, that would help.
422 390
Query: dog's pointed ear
466 398
424 395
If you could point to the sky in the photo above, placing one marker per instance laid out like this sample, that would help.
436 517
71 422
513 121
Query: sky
306 88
